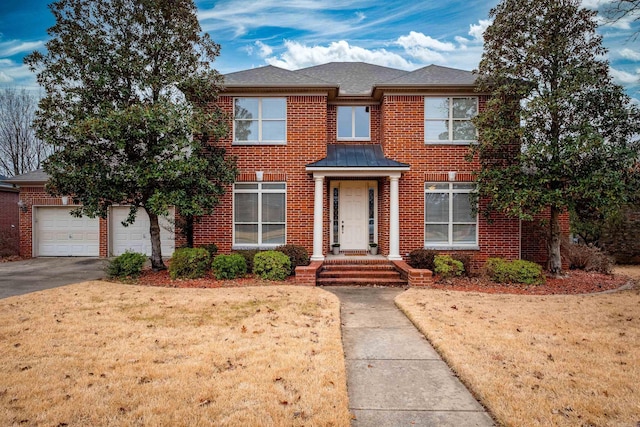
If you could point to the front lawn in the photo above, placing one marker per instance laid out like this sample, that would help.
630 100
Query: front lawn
100 353
564 360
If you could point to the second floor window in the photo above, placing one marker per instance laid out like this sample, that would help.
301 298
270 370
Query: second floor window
353 123
448 120
260 120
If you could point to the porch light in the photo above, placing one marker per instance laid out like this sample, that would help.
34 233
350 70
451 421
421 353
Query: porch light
65 200
452 176
22 206
259 175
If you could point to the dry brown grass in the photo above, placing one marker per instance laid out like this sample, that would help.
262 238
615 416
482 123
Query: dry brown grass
100 353
562 360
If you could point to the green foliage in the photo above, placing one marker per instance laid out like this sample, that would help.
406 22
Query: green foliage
212 248
516 271
271 265
447 267
248 255
422 258
588 258
297 254
575 126
126 83
129 264
189 263
465 260
229 266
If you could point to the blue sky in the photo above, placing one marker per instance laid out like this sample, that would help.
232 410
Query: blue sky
299 33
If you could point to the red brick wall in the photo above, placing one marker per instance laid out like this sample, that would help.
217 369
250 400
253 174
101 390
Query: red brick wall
9 226
37 196
535 237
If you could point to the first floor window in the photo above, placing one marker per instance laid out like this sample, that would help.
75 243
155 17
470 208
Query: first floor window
449 215
259 212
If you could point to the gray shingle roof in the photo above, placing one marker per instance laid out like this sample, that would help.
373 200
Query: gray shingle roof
434 75
356 156
272 76
354 78
34 177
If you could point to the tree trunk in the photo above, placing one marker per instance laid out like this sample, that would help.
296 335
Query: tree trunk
555 261
156 251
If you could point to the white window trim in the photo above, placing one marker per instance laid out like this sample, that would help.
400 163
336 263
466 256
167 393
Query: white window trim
449 244
259 141
353 124
450 118
259 191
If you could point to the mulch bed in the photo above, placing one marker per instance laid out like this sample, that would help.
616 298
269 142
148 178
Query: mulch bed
574 282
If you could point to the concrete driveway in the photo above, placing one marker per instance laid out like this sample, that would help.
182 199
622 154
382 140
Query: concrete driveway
21 277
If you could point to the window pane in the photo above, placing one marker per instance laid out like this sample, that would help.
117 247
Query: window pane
362 122
273 233
246 108
436 233
464 233
246 186
436 130
273 207
246 234
246 130
462 211
463 130
464 186
273 130
344 122
432 186
246 209
436 108
274 186
274 108
437 207
464 108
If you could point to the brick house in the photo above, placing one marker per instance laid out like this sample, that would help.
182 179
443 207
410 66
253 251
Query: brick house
348 154
9 217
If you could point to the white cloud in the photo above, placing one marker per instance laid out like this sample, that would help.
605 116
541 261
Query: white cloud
13 47
623 77
299 55
477 30
630 54
264 50
16 74
424 48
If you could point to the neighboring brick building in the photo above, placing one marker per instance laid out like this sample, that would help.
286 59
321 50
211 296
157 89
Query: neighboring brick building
9 217
341 153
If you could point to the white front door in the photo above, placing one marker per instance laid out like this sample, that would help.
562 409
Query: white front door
354 216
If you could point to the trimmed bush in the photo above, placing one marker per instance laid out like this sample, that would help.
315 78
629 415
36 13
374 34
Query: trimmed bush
297 254
248 255
212 248
588 258
229 266
447 267
271 265
465 259
516 271
189 263
422 258
129 264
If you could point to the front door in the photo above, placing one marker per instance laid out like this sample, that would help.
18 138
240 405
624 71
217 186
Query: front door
353 216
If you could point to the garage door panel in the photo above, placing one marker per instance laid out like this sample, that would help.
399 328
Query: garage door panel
135 237
57 233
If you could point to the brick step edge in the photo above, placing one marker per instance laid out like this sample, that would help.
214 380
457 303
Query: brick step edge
342 281
359 267
359 273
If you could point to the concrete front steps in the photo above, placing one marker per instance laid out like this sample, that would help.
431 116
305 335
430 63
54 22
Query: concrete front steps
359 272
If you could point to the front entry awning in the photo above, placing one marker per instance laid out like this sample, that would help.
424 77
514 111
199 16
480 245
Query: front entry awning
363 159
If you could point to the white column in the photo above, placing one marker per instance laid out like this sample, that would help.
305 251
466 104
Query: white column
317 219
394 219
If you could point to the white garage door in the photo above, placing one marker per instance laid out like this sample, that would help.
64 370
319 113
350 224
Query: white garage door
135 237
57 233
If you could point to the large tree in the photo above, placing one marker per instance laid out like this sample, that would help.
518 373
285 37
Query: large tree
21 151
128 84
557 132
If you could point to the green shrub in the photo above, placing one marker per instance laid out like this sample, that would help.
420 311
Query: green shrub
229 266
212 248
588 258
422 258
297 254
248 255
447 267
516 271
129 264
465 259
189 263
271 265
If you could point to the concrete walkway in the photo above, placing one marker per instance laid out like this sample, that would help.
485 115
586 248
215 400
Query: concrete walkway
394 376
